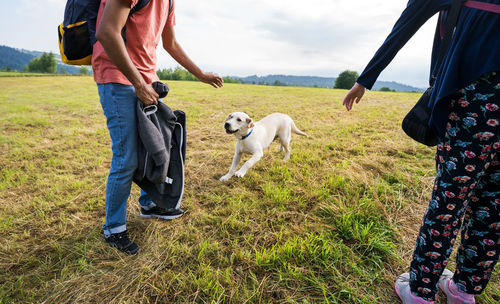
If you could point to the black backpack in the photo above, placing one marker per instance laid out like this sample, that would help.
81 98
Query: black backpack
77 31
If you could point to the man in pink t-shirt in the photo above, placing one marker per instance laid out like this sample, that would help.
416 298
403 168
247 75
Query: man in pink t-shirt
124 65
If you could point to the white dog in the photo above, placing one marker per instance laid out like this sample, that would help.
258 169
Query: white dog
253 138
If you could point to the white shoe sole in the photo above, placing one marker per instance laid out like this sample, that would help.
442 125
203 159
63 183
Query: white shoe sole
163 217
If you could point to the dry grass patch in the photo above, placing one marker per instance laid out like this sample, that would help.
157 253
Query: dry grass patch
335 224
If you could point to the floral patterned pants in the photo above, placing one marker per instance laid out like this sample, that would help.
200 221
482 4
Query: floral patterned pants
466 189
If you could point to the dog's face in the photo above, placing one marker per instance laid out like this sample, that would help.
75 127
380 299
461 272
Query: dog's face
238 122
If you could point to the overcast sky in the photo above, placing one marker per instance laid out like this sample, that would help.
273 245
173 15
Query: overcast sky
247 37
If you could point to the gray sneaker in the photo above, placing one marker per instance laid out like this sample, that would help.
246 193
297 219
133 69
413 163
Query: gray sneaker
402 287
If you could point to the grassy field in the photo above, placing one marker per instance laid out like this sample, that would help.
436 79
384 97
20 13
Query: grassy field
335 224
23 74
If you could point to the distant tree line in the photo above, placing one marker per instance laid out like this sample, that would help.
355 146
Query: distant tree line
175 74
182 74
48 64
275 83
228 79
83 70
386 89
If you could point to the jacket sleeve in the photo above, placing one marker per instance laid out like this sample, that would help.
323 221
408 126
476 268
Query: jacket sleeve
417 12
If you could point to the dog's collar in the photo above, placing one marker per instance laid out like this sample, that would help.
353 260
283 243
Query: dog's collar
247 134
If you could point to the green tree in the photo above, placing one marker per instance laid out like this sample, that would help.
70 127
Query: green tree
165 74
43 64
346 80
228 79
386 89
177 74
278 83
84 70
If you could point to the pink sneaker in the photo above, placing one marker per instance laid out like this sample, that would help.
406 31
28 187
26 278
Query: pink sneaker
402 287
453 294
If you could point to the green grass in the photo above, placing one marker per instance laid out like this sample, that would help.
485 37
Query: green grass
33 74
22 74
334 224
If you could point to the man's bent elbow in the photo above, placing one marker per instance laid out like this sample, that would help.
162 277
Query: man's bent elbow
99 35
169 45
103 34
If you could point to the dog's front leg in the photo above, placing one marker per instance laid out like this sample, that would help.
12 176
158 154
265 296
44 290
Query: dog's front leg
249 163
236 161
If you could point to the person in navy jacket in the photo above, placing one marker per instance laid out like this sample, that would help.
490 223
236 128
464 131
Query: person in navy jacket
465 106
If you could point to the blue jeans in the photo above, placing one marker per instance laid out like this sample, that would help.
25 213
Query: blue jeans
119 105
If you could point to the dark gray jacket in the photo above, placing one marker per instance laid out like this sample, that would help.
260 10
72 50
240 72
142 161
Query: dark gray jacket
161 153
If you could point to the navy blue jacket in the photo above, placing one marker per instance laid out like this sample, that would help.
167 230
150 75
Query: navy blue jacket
474 51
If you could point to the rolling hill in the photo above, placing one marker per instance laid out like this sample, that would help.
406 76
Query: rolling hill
16 59
320 82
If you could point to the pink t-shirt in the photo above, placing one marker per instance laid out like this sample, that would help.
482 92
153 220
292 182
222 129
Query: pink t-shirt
143 33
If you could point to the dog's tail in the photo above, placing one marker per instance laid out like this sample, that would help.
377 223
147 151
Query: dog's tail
296 130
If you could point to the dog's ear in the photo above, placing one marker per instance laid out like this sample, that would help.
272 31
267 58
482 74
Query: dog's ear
250 123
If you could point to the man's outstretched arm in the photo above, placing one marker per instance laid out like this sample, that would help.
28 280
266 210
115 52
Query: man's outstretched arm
175 50
108 33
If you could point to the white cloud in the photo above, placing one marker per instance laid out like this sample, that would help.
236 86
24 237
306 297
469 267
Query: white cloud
244 37
315 37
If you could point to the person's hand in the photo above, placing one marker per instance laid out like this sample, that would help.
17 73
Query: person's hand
146 94
355 93
212 79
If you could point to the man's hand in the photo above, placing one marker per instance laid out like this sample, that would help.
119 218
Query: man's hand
147 94
214 80
355 93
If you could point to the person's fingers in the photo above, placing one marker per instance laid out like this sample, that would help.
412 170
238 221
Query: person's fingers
351 102
346 99
218 81
151 100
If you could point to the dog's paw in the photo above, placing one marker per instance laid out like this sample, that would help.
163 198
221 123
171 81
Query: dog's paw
240 173
225 178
